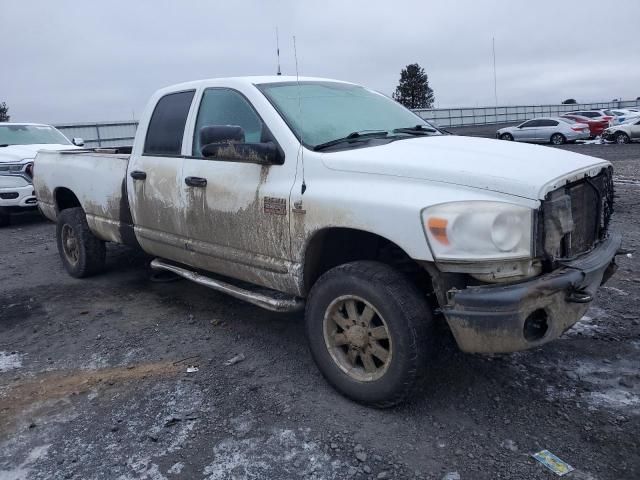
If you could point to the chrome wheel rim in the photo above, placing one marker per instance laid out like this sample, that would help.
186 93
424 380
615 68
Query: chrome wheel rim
556 139
70 245
621 139
357 338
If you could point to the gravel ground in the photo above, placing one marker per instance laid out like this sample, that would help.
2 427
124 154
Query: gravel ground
98 380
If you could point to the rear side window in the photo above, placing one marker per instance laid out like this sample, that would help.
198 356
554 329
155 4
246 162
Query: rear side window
547 123
166 127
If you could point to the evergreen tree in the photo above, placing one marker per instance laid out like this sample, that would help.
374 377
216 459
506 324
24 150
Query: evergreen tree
413 91
4 112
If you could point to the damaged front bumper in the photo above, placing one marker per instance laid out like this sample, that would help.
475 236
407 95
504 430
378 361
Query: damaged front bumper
508 318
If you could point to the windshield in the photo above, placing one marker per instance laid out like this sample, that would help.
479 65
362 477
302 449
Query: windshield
319 112
30 135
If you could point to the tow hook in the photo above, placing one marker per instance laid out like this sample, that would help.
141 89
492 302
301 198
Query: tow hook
577 296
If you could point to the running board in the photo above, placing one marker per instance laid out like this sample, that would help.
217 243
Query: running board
278 302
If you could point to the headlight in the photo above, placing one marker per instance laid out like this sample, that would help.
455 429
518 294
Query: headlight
478 230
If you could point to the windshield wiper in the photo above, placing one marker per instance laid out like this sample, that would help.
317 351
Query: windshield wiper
415 130
350 137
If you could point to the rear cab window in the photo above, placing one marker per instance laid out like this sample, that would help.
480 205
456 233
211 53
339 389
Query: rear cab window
166 127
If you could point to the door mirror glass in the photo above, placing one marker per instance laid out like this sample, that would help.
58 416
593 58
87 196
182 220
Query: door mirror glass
78 142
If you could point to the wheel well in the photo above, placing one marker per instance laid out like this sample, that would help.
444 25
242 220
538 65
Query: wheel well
65 198
336 246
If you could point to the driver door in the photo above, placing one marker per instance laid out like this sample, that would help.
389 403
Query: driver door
526 132
237 212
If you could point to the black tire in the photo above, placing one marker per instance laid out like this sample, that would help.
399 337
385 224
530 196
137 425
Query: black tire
558 139
506 136
622 137
407 318
89 251
5 218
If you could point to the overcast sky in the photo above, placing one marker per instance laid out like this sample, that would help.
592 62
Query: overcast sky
74 61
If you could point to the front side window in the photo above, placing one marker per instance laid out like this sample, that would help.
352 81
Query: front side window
320 112
31 135
222 106
529 124
166 127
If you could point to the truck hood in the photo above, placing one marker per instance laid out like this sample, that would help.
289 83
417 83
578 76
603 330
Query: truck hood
16 153
528 171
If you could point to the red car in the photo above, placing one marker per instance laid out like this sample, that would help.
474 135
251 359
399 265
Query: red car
596 125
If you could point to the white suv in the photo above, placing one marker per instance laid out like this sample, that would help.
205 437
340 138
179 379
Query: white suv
19 143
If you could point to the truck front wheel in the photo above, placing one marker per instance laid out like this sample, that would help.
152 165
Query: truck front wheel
81 252
370 332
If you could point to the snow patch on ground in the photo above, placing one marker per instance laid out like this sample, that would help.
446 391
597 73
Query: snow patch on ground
615 290
589 325
609 384
176 468
23 471
10 361
584 327
262 457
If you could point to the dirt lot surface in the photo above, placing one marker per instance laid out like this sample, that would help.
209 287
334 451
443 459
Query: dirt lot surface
95 382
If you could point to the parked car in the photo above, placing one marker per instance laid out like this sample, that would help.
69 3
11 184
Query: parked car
622 115
327 196
19 143
595 114
596 126
555 130
623 133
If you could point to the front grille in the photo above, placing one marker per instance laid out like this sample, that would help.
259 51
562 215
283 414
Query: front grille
576 217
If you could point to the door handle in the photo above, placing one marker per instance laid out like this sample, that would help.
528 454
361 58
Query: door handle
138 175
196 181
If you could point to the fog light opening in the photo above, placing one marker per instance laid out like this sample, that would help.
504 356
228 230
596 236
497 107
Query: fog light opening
536 325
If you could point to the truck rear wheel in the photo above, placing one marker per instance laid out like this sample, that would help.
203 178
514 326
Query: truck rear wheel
370 332
81 252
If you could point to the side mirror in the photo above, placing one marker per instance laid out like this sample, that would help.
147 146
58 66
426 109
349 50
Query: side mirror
264 153
78 142
221 134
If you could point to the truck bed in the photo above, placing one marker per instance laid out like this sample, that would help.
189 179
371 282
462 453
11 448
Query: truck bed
96 179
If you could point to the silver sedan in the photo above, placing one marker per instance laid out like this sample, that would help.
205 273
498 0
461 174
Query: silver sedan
553 130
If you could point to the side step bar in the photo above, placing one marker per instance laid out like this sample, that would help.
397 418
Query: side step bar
277 303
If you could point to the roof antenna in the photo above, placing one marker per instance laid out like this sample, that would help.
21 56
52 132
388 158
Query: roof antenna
295 54
278 51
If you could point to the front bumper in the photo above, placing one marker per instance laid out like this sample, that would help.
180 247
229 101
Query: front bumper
508 318
18 197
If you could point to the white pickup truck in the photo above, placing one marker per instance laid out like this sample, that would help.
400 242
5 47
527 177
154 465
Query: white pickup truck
324 195
19 143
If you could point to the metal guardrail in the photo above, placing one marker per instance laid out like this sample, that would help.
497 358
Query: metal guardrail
459 117
117 134
101 134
